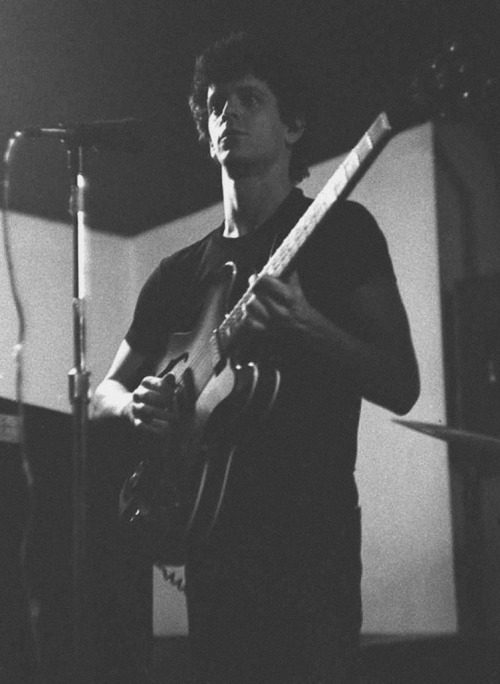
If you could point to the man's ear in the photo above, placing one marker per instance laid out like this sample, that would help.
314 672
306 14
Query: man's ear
295 130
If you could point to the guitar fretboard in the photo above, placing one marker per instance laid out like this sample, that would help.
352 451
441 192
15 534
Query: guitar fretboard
342 180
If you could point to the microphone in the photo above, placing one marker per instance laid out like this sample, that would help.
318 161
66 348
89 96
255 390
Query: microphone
116 135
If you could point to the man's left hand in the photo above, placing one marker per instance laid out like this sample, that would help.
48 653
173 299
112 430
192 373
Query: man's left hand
277 304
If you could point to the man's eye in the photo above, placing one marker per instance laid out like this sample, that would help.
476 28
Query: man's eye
249 99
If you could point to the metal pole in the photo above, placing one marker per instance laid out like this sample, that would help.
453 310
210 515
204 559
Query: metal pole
78 378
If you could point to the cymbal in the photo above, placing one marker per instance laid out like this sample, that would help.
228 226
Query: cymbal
456 435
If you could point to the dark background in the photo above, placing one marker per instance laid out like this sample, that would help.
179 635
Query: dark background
87 60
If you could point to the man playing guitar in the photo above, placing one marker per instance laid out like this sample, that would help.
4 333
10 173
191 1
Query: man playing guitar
273 592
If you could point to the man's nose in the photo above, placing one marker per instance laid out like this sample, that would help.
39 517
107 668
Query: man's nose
231 107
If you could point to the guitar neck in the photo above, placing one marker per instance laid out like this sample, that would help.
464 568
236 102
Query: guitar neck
343 180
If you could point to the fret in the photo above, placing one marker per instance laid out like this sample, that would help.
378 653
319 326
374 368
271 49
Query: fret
364 147
351 164
379 129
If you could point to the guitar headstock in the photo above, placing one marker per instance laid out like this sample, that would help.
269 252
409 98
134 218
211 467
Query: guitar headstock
460 82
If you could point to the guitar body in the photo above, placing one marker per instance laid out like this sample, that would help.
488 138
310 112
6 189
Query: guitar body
175 495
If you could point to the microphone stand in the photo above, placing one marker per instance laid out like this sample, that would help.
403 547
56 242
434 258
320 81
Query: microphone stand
78 378
111 135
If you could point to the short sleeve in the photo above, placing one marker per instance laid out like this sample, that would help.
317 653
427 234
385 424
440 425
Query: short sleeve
146 334
347 251
359 243
169 300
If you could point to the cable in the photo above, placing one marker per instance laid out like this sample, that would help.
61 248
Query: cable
174 576
32 604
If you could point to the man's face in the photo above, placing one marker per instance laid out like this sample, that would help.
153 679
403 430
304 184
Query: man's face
245 128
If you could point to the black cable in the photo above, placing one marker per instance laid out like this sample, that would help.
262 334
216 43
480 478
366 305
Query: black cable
174 576
32 604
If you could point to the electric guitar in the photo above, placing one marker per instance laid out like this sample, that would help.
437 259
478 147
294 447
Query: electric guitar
175 494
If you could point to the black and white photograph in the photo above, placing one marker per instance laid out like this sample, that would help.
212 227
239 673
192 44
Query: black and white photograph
250 342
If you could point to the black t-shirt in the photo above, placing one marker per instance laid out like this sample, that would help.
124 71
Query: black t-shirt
305 451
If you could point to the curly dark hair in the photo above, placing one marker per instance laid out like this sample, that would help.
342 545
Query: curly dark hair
239 55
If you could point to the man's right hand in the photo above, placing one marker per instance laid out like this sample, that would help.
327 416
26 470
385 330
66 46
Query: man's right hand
153 406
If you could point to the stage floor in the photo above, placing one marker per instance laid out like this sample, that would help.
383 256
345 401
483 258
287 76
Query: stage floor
385 660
